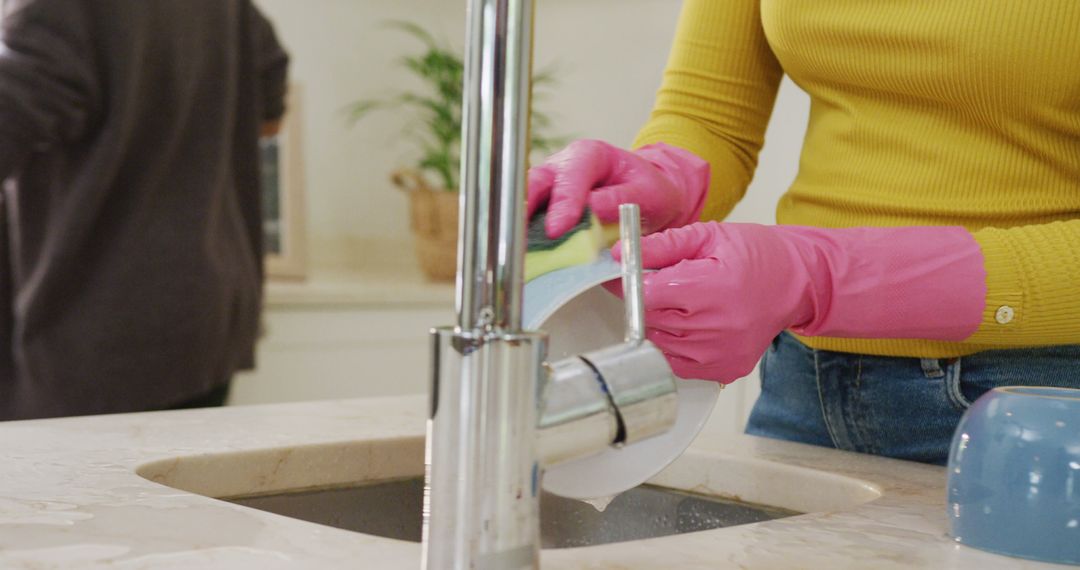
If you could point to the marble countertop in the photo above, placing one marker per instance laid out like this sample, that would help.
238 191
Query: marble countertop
71 496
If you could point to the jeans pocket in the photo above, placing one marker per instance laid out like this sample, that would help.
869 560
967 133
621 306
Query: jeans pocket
770 354
954 385
1055 366
763 366
775 344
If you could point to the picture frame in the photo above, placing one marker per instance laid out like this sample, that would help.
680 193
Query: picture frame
284 214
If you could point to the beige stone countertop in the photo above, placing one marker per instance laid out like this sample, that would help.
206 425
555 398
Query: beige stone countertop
87 493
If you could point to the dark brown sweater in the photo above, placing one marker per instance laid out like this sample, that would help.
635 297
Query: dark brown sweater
132 262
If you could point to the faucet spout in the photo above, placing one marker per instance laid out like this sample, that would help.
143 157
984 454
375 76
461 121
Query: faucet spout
494 161
491 391
481 500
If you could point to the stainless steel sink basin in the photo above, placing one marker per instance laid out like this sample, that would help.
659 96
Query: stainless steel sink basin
392 509
374 486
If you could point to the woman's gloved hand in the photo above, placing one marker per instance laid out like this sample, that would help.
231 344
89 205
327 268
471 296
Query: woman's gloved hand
668 183
724 291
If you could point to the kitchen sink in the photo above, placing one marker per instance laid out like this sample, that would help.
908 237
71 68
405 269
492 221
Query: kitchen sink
375 487
392 509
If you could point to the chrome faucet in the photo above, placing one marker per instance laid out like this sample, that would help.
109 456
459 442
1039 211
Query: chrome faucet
499 413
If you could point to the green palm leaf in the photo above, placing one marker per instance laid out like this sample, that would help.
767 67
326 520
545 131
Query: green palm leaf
438 130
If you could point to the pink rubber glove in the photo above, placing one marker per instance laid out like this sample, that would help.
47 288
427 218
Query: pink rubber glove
668 183
724 291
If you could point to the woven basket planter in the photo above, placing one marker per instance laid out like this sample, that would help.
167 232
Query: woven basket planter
433 218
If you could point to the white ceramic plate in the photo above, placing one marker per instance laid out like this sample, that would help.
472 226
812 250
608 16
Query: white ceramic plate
580 316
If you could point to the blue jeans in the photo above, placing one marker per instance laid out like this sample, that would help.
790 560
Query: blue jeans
905 408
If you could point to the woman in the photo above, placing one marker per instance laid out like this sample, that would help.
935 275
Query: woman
929 247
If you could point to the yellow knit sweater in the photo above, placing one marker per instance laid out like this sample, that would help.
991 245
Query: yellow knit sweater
924 112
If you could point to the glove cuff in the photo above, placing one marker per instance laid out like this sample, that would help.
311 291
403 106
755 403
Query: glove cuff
903 283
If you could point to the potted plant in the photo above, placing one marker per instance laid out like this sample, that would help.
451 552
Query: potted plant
432 182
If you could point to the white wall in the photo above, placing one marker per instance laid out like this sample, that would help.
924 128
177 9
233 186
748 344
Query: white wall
609 53
339 54
341 352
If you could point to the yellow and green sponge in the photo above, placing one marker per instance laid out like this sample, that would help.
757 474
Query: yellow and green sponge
582 244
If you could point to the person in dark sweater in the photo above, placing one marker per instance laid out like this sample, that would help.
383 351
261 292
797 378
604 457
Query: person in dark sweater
131 266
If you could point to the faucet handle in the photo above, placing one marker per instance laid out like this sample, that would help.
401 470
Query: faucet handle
630 234
616 395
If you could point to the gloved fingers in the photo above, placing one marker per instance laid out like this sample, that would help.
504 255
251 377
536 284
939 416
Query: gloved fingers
605 202
663 335
541 179
687 285
614 287
674 316
579 168
656 209
666 248
565 208
699 346
672 319
689 368
691 365
667 341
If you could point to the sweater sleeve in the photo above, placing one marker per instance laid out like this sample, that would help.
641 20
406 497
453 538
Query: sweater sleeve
49 92
1033 285
717 95
273 66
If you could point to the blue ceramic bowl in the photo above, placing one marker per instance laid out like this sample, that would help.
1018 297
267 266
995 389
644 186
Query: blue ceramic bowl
1014 474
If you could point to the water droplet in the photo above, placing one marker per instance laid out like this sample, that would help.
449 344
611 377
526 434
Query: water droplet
600 503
